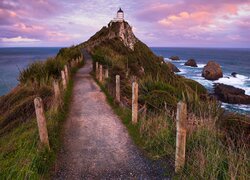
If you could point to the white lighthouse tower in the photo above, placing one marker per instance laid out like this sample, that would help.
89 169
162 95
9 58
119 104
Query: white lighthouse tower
119 16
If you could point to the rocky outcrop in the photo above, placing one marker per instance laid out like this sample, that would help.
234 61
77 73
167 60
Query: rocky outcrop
230 94
121 30
212 71
174 58
127 35
234 74
172 67
191 62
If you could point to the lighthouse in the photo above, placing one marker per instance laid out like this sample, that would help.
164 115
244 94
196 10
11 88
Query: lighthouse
119 16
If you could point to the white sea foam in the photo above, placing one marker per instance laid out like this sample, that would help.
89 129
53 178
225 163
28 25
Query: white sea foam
247 90
183 71
236 107
242 77
230 81
175 61
201 65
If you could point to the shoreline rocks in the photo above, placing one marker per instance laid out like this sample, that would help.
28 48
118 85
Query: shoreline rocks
191 62
174 58
212 71
234 74
231 94
172 67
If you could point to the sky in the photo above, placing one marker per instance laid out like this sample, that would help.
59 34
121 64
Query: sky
158 23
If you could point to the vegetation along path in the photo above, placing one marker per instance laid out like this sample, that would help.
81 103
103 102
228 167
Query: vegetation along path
96 143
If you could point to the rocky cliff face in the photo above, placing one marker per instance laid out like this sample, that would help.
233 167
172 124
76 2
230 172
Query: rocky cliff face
114 30
127 36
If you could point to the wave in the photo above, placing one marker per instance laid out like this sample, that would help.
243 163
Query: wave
175 61
242 77
201 65
183 71
237 107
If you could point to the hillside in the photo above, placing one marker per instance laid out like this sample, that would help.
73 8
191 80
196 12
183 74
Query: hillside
118 48
215 138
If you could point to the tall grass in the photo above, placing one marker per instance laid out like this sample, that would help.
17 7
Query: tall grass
21 155
210 151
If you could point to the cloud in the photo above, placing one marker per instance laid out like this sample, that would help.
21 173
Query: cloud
18 40
198 22
157 22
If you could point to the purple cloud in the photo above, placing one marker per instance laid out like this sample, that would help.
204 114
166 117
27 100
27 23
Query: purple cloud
156 22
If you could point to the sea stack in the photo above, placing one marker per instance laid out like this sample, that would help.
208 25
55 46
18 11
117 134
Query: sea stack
174 58
212 71
191 62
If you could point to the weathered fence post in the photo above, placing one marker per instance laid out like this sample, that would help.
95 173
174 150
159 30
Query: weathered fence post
117 88
96 70
100 73
41 122
63 80
66 72
106 73
181 123
56 89
134 103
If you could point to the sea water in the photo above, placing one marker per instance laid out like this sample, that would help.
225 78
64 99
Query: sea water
230 59
13 60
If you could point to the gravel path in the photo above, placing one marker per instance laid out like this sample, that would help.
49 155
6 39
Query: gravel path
96 143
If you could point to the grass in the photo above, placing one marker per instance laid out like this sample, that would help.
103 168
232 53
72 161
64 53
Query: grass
207 155
21 154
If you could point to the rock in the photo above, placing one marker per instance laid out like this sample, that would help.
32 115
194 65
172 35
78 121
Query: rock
191 62
172 67
230 94
174 58
234 74
212 71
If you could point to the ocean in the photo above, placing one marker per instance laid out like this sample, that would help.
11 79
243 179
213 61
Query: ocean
12 60
230 59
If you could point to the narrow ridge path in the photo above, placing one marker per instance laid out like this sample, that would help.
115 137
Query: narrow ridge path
96 144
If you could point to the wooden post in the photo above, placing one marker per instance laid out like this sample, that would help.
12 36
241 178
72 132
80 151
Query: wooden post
100 73
181 123
117 88
56 89
96 70
134 103
66 72
63 80
41 122
106 73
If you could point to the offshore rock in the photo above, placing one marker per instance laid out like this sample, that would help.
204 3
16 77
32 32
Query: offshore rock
230 94
212 71
174 58
191 62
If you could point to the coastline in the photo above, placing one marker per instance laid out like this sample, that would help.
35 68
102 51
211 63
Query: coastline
230 59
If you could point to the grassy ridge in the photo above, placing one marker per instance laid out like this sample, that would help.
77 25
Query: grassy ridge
210 152
217 143
21 155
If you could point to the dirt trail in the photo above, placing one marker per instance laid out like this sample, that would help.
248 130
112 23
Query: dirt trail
96 143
